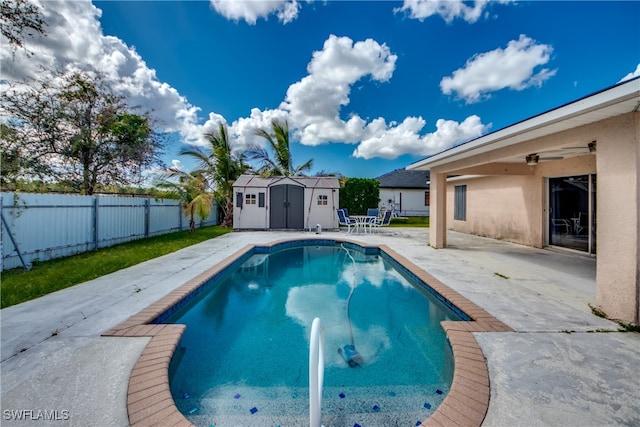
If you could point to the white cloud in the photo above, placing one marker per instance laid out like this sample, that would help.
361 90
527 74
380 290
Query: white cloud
312 107
314 102
631 75
447 9
242 130
75 40
304 303
252 10
177 164
405 138
512 67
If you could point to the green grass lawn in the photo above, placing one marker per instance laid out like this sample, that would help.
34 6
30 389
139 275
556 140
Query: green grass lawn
18 285
411 221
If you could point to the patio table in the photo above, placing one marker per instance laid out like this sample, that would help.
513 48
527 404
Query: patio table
362 221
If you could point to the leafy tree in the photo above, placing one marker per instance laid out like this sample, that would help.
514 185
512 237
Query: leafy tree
191 189
359 194
222 166
12 159
278 141
20 19
75 130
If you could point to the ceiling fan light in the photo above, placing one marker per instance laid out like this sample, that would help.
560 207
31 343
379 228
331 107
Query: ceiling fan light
592 147
532 159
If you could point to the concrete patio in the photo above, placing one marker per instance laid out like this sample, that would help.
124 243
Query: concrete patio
562 367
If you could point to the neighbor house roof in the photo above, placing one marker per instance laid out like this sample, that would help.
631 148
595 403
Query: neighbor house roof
402 178
619 99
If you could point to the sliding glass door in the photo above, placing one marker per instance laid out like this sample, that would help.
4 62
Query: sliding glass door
572 208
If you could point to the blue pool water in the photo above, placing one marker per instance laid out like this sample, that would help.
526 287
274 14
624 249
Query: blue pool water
245 351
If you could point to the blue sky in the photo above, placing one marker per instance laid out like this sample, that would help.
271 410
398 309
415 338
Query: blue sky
367 87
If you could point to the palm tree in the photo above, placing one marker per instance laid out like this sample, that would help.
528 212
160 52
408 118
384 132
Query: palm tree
282 164
192 190
222 167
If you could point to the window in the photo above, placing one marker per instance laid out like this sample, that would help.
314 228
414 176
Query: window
250 199
427 196
460 203
238 200
261 200
323 199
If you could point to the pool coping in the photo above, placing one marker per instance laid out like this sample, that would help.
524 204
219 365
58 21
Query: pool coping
149 400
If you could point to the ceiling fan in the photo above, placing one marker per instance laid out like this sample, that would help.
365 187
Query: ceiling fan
591 147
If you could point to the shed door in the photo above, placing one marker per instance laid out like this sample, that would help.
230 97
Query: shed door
287 207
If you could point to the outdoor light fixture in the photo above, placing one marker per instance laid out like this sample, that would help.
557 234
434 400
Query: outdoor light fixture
532 159
592 147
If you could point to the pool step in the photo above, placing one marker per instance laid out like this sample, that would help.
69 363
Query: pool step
255 406
347 420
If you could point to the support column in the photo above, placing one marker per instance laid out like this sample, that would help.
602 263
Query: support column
618 229
438 210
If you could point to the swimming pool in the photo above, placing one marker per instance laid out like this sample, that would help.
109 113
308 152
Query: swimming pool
243 357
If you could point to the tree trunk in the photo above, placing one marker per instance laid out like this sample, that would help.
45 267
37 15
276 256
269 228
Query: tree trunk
227 221
87 181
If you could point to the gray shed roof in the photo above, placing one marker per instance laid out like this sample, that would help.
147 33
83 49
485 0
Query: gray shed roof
256 181
402 178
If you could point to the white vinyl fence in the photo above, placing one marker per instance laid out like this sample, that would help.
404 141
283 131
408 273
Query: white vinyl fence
46 226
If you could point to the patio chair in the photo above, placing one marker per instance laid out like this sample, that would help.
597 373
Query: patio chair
373 212
343 219
581 224
561 223
386 220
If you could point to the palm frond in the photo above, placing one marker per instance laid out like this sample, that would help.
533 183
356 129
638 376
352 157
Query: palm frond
282 162
306 166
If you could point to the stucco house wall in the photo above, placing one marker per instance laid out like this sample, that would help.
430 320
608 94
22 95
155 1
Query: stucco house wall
618 263
512 208
508 196
499 208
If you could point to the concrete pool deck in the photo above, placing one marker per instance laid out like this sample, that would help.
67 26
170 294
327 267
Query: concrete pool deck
561 366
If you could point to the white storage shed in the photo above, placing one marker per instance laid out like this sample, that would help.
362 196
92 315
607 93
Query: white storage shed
280 203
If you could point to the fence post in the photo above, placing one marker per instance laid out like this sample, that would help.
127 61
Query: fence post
95 223
147 218
13 241
180 216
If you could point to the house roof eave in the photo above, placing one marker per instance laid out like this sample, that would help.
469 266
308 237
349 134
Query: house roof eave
619 99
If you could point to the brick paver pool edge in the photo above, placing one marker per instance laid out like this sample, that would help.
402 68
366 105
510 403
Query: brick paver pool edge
149 400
